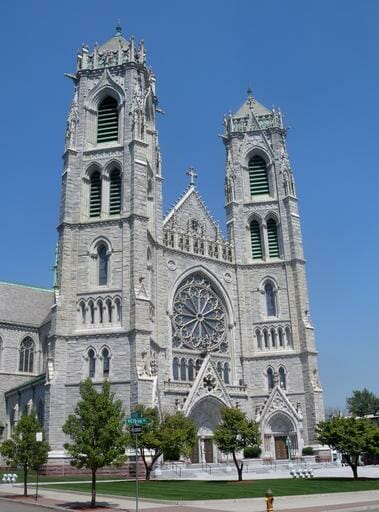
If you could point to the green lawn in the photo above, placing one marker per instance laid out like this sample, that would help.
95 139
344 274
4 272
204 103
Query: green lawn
207 490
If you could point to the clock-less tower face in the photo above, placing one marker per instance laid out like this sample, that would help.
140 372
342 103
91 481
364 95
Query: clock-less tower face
199 316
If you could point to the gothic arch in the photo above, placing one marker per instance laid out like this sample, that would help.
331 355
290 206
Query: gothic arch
111 165
219 288
105 87
252 151
90 169
101 239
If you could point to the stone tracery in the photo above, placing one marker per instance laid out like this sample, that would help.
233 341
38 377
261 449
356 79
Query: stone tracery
199 317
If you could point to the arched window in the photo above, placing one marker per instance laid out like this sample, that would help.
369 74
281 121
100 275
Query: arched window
226 373
100 310
115 192
118 309
281 337
258 176
91 307
183 369
256 240
95 195
265 338
270 379
270 299
282 378
106 362
109 310
219 369
198 365
258 334
91 363
26 355
190 370
272 239
273 338
175 368
289 337
103 264
82 307
107 120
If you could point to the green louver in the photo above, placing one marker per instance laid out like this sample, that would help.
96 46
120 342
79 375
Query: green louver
115 193
258 176
272 238
95 195
256 241
107 120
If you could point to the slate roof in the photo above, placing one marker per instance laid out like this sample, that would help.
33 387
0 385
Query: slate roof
113 43
24 305
258 108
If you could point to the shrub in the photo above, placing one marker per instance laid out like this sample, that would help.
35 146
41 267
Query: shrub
307 450
252 452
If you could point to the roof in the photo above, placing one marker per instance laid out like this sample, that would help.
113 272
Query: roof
32 382
24 305
258 108
113 43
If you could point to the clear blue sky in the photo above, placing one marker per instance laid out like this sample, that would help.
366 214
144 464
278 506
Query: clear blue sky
318 61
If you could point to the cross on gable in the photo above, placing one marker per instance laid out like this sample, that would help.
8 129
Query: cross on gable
192 174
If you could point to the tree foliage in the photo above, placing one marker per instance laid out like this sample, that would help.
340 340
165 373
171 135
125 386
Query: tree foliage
234 433
168 432
362 403
351 437
96 431
22 449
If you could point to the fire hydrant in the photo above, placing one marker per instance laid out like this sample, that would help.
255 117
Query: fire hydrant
269 499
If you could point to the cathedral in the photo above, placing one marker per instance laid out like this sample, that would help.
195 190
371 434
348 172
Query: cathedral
172 312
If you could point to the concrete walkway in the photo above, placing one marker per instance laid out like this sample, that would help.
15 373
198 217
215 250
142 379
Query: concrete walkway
59 500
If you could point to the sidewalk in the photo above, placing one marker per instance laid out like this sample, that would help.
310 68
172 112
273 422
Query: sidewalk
59 500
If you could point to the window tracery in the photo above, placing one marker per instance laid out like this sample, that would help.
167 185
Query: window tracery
26 355
199 316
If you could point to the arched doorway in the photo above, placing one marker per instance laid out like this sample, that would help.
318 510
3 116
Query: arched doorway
206 415
280 437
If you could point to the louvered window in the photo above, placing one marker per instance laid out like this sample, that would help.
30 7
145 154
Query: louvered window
115 193
95 195
258 176
256 241
272 238
107 120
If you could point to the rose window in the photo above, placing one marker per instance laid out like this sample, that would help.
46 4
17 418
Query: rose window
199 318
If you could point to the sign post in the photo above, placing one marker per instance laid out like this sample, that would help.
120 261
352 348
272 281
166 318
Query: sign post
39 436
136 422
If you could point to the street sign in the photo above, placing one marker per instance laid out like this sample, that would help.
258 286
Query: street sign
136 429
136 419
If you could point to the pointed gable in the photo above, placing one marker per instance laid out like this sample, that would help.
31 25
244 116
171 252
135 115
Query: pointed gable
190 214
208 383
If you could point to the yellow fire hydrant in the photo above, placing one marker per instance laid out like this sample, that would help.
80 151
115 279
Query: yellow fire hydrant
269 499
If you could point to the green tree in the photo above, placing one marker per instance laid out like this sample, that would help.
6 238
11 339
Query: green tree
22 449
96 431
351 437
173 433
234 433
362 403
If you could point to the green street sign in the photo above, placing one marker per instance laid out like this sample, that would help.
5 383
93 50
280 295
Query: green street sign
137 421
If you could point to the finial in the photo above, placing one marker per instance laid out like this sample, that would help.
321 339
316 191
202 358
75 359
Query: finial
249 92
192 174
118 29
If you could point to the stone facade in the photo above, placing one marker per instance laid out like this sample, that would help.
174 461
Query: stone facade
171 312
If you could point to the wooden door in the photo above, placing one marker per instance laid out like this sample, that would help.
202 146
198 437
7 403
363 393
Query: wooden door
195 453
281 451
208 449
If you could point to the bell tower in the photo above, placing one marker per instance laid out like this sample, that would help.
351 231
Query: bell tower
110 224
263 225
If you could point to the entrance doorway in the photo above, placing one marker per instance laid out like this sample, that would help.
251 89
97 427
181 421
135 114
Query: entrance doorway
208 450
281 449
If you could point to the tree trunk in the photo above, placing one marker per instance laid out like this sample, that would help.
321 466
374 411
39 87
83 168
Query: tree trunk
148 472
25 480
239 467
353 463
93 496
354 467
